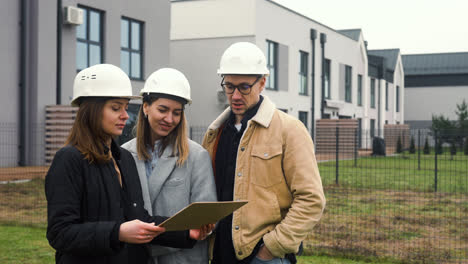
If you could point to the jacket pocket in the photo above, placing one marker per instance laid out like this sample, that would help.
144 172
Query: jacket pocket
174 182
266 169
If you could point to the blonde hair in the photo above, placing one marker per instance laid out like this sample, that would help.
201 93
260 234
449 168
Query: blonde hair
177 138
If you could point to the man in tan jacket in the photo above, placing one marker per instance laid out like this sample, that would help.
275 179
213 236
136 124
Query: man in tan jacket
265 156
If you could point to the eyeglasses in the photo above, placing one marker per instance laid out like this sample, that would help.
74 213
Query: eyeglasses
243 88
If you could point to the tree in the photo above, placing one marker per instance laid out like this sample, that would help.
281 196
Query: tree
462 121
412 148
399 146
426 149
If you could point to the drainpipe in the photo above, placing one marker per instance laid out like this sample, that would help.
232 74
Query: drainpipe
323 40
313 36
22 86
58 79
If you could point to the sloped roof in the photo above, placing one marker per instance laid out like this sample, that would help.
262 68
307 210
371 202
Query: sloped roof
435 63
351 33
390 55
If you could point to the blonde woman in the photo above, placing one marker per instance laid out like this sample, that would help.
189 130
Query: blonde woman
174 171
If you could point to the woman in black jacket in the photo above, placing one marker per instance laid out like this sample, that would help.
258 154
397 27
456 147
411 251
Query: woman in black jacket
94 201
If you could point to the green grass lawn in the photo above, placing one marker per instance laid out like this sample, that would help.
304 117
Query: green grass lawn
24 245
29 245
401 172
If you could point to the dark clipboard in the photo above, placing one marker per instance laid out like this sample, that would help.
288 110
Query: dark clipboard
198 214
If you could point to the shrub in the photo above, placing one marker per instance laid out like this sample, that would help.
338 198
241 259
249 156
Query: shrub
465 149
412 148
399 146
453 149
426 149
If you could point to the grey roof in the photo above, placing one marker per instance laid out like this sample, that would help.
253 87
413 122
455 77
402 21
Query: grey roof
436 63
390 55
351 33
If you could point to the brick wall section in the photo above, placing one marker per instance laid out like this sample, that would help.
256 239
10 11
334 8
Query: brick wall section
325 140
59 121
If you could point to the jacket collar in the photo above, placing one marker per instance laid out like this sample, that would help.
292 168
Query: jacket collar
263 117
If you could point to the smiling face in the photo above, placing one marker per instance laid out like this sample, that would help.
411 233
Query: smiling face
114 116
239 102
163 116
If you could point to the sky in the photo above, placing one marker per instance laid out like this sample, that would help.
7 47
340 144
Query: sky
413 26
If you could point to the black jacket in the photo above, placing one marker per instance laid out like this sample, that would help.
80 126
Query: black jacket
86 205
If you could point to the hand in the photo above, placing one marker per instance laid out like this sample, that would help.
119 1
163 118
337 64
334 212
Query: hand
264 253
202 233
138 232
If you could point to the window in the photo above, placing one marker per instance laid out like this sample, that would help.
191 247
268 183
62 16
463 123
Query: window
348 85
359 90
326 80
89 39
397 106
131 47
386 95
372 128
303 71
303 117
272 60
372 93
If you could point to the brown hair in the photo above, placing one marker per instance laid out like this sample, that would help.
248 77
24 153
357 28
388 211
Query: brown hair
87 134
177 138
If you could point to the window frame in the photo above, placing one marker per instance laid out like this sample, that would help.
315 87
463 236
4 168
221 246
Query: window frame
327 78
130 49
272 66
302 115
397 101
359 90
348 84
87 41
372 93
303 72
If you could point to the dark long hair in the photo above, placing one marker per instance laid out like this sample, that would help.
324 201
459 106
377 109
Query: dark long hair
87 134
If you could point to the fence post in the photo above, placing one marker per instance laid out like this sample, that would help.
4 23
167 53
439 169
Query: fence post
355 147
435 162
419 149
337 156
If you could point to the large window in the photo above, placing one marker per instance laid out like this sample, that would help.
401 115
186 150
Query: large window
89 41
303 72
303 117
348 85
397 106
372 128
131 48
386 95
326 72
272 61
372 93
359 90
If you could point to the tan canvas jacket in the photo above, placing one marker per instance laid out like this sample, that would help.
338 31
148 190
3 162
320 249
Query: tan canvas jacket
276 171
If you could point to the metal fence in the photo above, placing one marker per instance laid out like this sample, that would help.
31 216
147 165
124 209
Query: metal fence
407 205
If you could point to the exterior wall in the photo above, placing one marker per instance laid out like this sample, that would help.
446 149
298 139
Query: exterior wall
9 74
423 102
399 79
41 56
212 19
200 34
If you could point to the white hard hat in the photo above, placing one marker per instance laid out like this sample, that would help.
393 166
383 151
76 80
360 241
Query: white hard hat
243 58
101 80
168 81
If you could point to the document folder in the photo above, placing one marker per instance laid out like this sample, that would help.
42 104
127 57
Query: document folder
197 214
